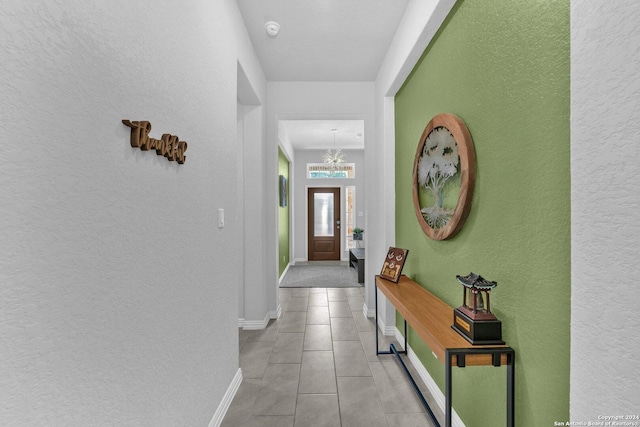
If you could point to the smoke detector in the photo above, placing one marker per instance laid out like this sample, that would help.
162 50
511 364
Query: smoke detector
272 28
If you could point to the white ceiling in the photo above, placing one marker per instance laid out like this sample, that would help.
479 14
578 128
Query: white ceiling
317 134
322 41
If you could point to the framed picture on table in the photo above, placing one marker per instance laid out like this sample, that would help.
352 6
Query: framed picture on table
393 263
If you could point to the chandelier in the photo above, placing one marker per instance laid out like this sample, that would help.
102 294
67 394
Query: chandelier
334 157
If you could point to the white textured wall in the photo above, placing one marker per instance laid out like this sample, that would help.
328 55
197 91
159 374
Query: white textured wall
117 303
605 208
256 285
254 299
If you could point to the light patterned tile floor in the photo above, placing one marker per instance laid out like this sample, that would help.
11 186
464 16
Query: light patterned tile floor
316 366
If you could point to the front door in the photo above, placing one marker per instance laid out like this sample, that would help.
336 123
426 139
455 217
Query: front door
324 224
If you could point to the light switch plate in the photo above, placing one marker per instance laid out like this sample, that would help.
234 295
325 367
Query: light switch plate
220 218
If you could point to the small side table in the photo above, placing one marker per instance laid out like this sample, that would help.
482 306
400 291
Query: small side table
356 260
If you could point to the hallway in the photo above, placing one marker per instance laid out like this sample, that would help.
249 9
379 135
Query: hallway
316 366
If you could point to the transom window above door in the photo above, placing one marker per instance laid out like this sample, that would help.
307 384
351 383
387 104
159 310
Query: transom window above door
323 171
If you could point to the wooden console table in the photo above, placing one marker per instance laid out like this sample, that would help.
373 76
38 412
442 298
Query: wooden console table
431 318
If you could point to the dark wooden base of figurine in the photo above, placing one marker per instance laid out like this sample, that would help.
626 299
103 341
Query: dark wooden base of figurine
477 332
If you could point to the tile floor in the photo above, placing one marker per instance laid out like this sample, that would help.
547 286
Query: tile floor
316 366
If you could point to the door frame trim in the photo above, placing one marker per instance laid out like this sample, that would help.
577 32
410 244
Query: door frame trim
306 219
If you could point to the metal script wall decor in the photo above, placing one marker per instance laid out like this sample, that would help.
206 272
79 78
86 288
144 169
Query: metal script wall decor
168 145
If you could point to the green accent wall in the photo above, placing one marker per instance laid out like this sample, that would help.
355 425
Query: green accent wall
283 216
503 67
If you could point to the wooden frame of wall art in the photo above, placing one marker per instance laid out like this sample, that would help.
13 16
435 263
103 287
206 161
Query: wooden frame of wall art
444 175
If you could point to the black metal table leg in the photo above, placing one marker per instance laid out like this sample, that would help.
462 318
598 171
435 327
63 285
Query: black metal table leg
496 353
405 337
448 392
376 304
376 328
511 389
415 386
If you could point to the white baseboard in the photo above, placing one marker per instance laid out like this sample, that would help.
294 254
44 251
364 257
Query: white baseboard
368 312
433 388
390 330
223 407
275 314
387 330
399 337
254 325
284 273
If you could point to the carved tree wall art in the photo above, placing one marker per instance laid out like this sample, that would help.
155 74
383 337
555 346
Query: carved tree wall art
445 164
